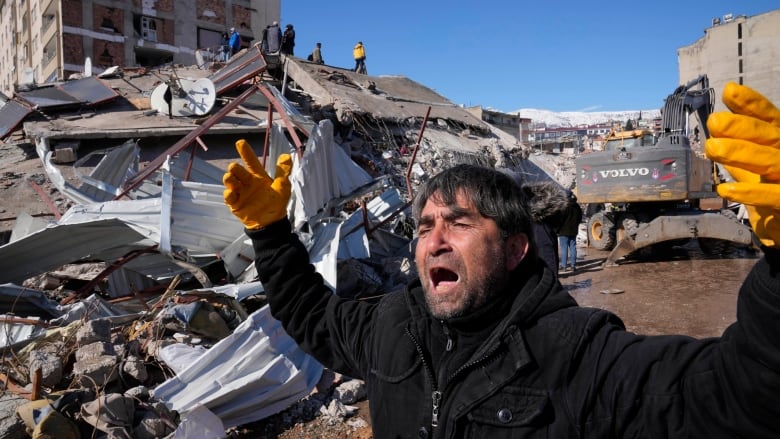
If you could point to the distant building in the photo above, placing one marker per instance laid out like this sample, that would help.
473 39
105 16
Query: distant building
48 40
513 124
736 48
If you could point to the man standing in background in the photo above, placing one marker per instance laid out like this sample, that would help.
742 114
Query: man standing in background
274 36
316 54
359 53
235 41
288 40
567 234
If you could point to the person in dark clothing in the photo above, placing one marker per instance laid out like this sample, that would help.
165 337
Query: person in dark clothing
288 40
487 343
273 37
567 233
264 40
546 205
224 47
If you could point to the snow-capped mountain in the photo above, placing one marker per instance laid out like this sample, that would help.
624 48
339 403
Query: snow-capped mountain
576 118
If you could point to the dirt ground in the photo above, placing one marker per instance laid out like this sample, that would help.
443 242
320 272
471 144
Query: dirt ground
681 292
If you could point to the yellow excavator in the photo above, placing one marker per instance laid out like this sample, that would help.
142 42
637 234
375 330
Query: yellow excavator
655 189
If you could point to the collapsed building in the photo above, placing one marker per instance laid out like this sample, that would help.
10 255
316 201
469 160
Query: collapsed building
144 288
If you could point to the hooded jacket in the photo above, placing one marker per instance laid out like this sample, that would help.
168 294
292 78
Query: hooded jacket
359 52
533 364
546 206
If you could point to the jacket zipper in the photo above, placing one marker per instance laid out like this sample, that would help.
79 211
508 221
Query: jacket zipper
435 394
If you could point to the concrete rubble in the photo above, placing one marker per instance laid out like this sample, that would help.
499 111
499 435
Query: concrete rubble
136 313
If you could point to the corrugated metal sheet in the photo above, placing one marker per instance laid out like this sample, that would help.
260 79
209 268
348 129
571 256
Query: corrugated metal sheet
90 90
49 98
53 247
26 302
255 372
117 165
240 68
325 172
12 113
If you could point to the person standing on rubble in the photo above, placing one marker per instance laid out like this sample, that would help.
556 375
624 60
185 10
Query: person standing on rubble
316 54
288 40
235 41
359 53
224 47
274 37
567 233
486 343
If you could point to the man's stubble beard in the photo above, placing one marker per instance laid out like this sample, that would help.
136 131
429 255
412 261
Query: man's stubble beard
494 284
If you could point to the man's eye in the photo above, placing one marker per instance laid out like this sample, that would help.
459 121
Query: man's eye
422 232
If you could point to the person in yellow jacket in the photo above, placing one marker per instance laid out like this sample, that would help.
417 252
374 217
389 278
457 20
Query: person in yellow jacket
359 53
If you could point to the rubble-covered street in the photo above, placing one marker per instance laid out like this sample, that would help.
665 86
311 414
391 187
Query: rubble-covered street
130 307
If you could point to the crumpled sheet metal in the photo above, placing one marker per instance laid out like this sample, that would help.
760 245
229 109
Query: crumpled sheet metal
255 372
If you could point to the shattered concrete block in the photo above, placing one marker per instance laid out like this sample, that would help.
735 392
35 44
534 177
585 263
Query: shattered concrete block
135 367
350 392
94 330
336 411
49 282
140 393
96 371
154 346
50 365
64 155
151 427
357 423
95 350
11 425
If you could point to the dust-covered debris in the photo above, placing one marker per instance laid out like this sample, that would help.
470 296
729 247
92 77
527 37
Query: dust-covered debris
139 297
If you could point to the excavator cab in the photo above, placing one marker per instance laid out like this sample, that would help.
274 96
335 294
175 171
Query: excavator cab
623 140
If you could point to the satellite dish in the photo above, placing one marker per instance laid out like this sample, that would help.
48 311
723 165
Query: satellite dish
87 67
187 97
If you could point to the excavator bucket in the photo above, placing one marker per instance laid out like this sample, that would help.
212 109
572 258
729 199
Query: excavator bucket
668 228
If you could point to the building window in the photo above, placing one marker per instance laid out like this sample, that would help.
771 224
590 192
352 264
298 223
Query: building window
148 29
739 31
740 67
739 49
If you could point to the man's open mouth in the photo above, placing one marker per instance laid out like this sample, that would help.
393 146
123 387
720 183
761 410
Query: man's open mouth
442 276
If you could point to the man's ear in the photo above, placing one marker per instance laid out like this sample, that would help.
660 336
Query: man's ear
516 250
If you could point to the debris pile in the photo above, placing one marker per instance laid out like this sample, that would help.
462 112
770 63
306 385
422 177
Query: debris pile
134 310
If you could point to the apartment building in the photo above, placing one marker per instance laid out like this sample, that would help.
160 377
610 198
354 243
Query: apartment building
736 48
48 40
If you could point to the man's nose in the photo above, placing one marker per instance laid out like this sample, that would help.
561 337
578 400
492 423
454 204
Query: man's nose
437 240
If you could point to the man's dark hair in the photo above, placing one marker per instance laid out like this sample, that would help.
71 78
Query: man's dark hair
494 194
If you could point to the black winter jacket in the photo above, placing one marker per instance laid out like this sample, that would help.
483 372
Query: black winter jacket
545 368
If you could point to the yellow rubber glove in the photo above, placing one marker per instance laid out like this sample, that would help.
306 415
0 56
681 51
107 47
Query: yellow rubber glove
250 193
747 143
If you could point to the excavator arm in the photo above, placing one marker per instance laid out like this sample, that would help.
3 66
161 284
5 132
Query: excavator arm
685 101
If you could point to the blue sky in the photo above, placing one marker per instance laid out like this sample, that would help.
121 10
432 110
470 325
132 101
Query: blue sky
509 54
